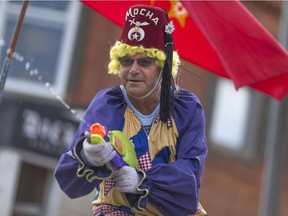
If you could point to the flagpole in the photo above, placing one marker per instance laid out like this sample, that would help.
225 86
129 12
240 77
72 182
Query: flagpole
9 56
275 149
274 160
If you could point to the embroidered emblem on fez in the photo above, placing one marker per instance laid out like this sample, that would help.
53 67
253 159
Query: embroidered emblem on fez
137 33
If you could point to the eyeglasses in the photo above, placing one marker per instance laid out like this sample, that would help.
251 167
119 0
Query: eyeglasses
142 62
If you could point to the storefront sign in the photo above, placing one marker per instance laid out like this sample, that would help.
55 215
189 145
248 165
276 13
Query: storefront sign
40 128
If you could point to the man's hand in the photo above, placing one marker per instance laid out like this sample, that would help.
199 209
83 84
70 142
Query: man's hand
98 154
126 180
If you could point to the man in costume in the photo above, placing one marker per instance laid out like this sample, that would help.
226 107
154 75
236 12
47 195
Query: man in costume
165 123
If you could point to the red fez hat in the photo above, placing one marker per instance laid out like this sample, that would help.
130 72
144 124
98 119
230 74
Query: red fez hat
149 26
144 25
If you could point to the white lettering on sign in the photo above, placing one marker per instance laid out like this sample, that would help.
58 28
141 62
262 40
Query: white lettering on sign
42 129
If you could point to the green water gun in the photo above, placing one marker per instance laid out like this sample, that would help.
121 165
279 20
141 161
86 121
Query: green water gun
126 155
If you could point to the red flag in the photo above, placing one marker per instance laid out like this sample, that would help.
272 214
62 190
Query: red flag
222 37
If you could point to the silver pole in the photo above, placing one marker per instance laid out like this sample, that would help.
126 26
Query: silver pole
274 159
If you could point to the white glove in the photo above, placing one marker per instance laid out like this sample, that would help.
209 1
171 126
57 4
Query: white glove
126 180
98 154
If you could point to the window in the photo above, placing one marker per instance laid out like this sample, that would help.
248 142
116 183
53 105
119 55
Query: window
44 47
230 116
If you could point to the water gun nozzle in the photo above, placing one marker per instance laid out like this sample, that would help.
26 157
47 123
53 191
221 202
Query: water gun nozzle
98 129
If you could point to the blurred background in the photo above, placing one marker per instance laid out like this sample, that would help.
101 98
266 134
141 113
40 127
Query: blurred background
60 63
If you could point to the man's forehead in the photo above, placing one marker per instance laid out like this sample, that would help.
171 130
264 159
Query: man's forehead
138 55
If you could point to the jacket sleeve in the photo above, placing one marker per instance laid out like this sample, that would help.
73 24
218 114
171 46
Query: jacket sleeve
75 177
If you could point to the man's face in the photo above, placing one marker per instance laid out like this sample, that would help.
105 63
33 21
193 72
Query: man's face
138 74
